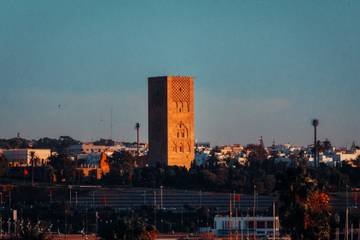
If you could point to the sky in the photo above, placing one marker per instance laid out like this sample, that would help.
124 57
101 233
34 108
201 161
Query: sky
261 68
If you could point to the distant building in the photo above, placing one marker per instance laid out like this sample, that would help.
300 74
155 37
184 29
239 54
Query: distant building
93 164
22 157
171 120
349 155
245 228
201 157
86 148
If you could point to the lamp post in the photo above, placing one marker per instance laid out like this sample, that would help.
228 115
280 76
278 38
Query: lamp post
137 128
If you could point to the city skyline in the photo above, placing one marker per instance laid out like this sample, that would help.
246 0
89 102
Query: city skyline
261 69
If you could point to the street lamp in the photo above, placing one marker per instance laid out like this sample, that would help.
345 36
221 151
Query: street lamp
315 124
137 128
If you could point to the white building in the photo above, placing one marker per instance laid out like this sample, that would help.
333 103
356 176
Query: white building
201 157
349 155
87 148
244 226
22 157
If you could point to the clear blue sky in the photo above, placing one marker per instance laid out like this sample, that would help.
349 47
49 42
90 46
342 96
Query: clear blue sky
261 67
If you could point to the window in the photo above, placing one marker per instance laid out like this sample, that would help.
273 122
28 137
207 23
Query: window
260 224
269 224
250 224
226 225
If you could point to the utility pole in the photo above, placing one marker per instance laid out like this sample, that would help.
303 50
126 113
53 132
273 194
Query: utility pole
50 196
347 224
32 155
70 187
230 218
155 208
10 203
9 225
1 227
161 197
274 220
237 223
97 223
254 212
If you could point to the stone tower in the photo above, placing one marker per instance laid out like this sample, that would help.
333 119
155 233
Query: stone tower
171 120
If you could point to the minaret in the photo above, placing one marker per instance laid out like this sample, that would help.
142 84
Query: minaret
171 120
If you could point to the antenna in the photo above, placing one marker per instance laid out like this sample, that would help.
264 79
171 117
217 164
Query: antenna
111 123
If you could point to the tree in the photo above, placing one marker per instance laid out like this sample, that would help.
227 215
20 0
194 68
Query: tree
257 153
127 228
30 231
105 142
317 216
59 145
64 167
304 207
122 166
3 166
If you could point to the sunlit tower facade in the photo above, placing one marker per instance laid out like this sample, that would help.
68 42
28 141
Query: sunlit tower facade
171 120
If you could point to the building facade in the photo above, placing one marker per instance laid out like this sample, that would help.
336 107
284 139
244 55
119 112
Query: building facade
171 120
23 157
246 227
93 164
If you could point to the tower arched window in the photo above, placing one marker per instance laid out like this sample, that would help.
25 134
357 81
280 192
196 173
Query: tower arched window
182 131
181 148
